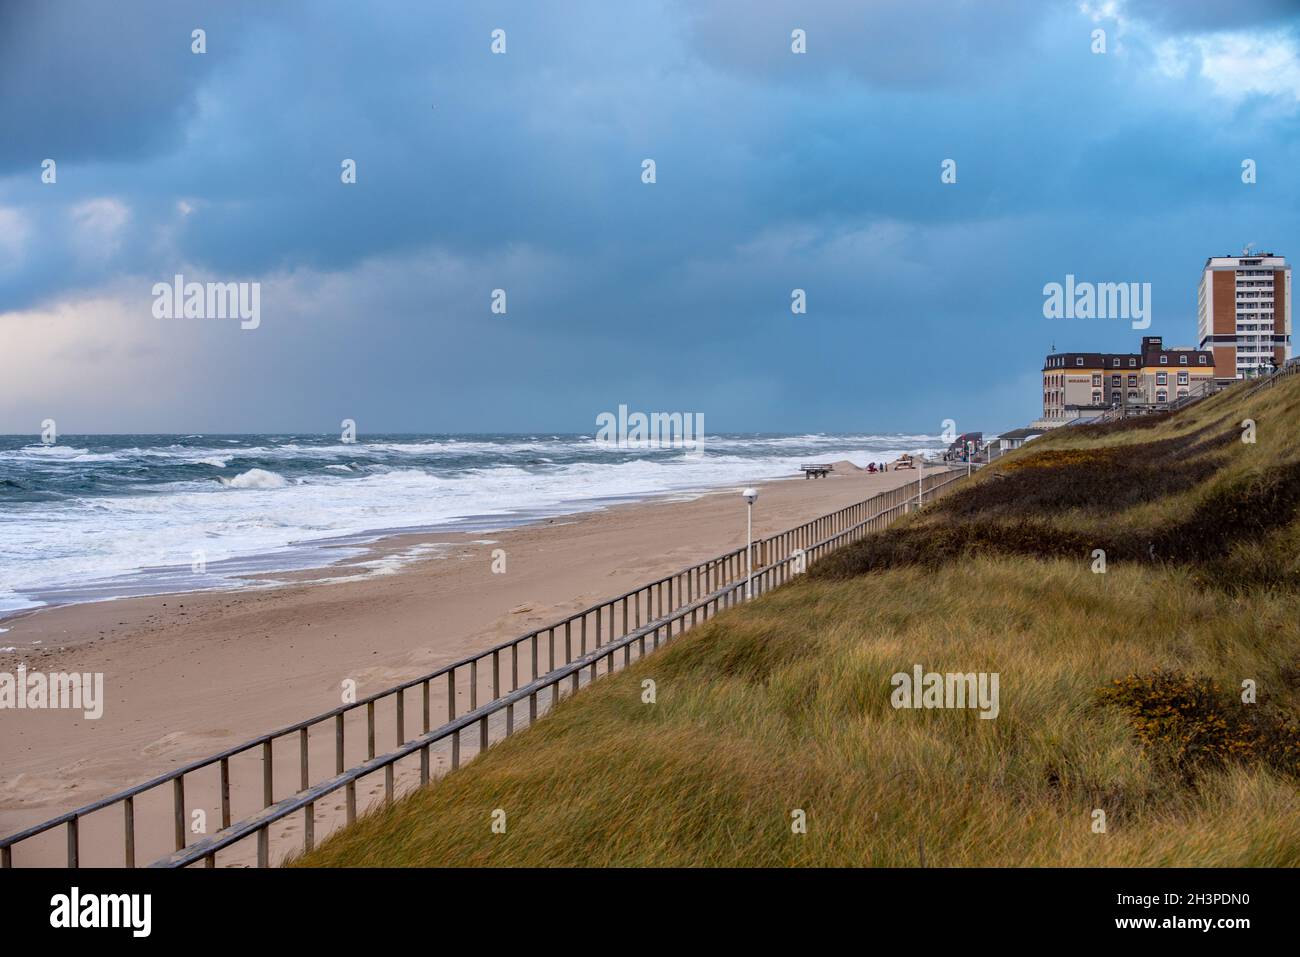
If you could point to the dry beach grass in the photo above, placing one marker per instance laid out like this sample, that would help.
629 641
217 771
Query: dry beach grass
1120 691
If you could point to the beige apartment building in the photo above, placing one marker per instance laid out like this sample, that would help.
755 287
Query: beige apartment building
1083 384
1244 313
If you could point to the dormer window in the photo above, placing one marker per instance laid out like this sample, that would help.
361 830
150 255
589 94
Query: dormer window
1078 362
1115 363
1202 360
1132 362
1182 360
1164 360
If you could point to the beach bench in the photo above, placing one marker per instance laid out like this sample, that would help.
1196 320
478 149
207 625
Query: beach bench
905 462
816 471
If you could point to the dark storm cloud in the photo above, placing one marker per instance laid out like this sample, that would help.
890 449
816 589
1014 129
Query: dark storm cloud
1194 16
775 171
894 44
88 80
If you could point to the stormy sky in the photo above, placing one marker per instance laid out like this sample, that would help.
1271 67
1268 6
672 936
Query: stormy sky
522 171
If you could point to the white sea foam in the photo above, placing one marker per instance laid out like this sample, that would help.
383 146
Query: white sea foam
387 486
54 453
255 478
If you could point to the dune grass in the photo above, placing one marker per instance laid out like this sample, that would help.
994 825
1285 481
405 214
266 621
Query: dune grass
1119 692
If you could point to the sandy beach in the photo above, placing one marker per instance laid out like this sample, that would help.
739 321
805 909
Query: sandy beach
189 674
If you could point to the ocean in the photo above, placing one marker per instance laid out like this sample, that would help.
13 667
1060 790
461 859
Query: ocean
97 517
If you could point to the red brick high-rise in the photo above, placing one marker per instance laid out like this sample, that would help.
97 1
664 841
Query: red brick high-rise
1244 313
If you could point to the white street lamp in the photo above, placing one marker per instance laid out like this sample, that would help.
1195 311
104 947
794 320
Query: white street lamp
751 496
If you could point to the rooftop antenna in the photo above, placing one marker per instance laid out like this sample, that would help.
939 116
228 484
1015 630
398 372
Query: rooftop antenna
1245 250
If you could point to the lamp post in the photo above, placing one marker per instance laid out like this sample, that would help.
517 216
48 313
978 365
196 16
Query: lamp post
920 475
751 496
